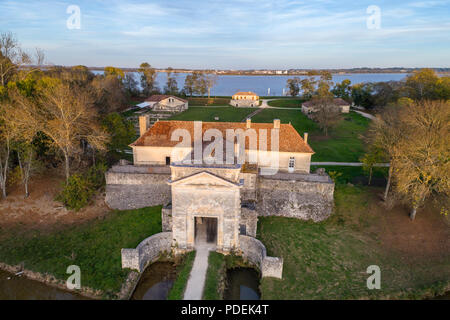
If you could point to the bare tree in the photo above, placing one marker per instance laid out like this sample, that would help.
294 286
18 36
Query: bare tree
7 133
26 125
326 114
39 57
422 154
11 57
69 119
211 80
384 133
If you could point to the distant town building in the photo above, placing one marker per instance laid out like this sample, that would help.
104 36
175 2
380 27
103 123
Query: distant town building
311 107
167 103
245 99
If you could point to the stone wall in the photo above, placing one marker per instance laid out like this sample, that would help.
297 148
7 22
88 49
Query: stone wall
255 252
248 191
148 251
166 218
249 218
307 197
244 103
132 190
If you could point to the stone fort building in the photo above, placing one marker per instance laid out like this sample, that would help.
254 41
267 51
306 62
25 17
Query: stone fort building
218 201
245 99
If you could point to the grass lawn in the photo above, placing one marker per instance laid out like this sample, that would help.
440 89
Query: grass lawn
216 101
94 246
184 270
227 114
328 260
286 103
216 270
344 143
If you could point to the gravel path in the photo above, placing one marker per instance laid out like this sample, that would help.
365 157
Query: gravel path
196 282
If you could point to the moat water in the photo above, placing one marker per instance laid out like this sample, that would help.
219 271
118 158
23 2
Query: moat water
156 282
14 287
242 284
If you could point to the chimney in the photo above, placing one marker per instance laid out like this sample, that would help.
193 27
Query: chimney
143 125
276 123
249 123
305 137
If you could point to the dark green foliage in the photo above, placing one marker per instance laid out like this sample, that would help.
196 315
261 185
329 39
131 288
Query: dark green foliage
79 189
122 133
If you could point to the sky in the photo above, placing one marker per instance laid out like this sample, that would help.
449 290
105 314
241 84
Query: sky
234 34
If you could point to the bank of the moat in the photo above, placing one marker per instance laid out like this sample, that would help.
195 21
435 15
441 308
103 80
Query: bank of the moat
313 253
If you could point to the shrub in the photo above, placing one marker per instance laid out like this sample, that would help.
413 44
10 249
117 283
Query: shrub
79 189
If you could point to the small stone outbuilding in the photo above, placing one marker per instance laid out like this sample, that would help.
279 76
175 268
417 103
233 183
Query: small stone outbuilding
245 99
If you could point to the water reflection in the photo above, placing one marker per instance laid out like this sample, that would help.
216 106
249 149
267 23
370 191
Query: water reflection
20 288
155 282
242 284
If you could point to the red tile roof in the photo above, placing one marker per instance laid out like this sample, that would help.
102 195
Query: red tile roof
249 93
159 135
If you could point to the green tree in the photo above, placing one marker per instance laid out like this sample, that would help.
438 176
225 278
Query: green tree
171 84
308 86
422 84
293 85
113 71
130 85
148 78
343 90
362 95
121 132
443 88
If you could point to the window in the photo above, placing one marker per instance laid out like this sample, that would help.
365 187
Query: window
243 229
167 161
291 167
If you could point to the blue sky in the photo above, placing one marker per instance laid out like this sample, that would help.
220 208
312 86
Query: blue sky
239 34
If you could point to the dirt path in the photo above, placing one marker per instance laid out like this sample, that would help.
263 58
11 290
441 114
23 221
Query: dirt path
365 115
40 210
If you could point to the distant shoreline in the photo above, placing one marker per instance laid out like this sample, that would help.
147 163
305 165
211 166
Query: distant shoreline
289 72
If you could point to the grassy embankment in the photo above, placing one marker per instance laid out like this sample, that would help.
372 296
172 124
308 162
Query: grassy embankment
328 260
214 276
204 101
286 103
183 272
94 246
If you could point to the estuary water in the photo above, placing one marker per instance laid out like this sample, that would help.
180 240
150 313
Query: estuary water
228 85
